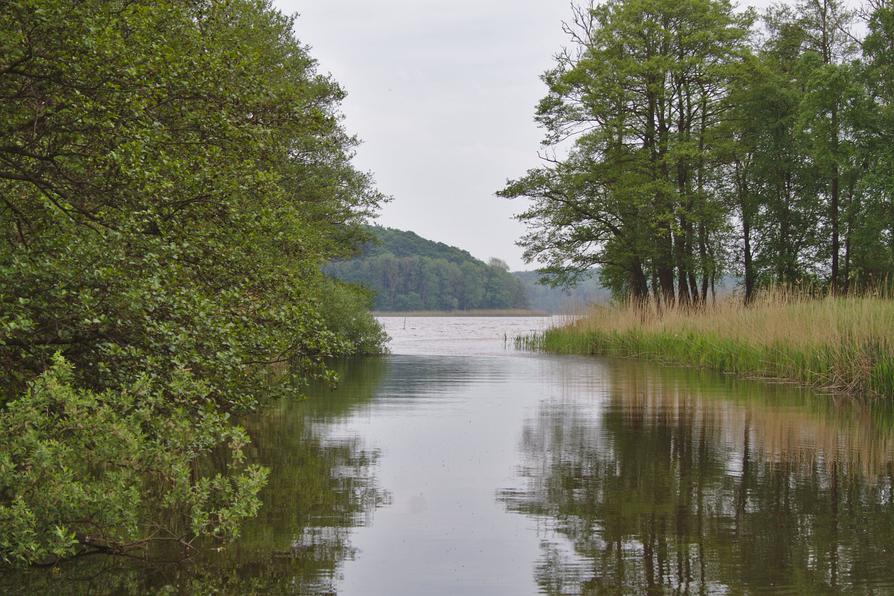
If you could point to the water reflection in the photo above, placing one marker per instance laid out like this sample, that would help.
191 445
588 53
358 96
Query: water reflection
683 482
322 486
617 478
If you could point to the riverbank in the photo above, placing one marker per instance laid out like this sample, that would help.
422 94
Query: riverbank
843 345
512 312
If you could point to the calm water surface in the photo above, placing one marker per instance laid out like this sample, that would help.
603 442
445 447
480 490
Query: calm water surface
456 465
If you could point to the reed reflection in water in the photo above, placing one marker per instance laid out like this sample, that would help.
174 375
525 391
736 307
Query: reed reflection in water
459 466
678 481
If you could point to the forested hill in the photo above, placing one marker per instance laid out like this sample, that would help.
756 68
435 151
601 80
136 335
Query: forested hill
407 272
409 244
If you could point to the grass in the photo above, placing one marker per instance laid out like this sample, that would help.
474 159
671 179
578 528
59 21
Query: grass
844 345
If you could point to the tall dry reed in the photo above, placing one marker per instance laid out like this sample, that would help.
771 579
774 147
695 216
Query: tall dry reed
842 344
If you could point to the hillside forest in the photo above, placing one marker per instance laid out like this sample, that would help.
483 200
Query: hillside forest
405 272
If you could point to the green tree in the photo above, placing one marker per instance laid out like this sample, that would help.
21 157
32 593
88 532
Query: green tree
642 93
172 177
693 143
773 181
829 85
874 246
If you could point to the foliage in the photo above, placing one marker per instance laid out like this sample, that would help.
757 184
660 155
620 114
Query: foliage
80 469
346 312
172 177
642 91
321 485
409 273
694 143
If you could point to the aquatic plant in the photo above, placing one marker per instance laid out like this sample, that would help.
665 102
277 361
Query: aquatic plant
840 344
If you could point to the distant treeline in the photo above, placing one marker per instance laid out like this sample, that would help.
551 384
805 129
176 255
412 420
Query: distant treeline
407 272
546 298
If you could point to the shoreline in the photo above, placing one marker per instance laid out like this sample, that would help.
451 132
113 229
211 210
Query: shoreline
838 345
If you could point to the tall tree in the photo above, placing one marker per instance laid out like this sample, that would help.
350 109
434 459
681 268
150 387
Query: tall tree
642 92
172 176
828 47
874 243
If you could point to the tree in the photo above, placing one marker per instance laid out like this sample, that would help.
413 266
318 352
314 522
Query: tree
497 264
642 93
773 179
172 177
828 42
874 246
692 143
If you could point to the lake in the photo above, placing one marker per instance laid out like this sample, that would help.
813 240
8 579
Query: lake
457 465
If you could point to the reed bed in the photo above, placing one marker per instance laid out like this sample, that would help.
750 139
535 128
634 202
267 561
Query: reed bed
839 344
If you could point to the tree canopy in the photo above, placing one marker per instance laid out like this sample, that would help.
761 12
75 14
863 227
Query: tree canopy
685 139
173 175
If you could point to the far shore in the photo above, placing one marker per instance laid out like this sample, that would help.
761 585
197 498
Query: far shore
464 313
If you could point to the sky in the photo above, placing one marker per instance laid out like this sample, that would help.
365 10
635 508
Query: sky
442 94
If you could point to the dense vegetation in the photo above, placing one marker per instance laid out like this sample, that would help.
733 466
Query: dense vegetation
840 344
282 550
685 139
172 177
406 272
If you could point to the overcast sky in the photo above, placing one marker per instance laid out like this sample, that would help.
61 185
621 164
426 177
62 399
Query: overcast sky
442 92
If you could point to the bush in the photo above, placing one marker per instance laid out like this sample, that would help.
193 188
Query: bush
83 471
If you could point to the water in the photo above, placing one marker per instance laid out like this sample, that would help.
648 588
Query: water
456 465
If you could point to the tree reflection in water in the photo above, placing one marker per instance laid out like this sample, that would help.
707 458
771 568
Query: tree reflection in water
682 482
321 486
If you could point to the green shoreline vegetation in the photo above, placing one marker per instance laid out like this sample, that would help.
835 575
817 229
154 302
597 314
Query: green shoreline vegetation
173 177
843 345
408 273
688 140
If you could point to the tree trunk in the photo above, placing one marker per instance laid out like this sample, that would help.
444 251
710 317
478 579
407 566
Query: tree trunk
703 255
639 285
833 218
665 267
683 295
846 273
656 291
749 264
745 210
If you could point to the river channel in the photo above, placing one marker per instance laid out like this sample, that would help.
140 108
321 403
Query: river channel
457 465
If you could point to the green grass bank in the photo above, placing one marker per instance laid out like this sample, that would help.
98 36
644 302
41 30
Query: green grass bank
842 345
